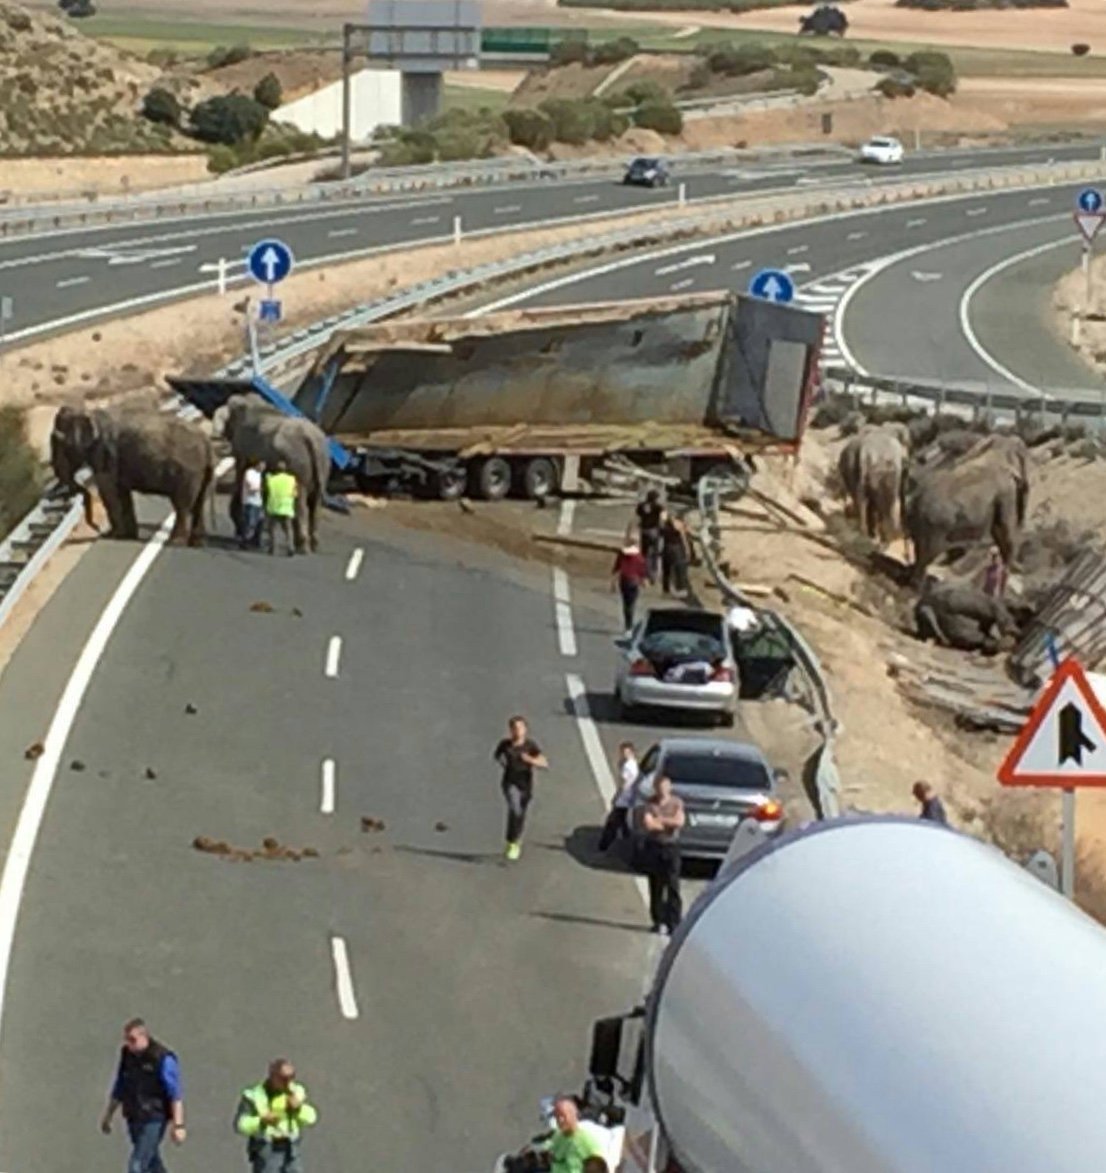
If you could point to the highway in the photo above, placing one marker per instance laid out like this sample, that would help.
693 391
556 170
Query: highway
427 993
63 278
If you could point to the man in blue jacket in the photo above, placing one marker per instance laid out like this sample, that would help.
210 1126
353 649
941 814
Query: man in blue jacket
148 1089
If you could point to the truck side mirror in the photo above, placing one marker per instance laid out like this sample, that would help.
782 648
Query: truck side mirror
606 1048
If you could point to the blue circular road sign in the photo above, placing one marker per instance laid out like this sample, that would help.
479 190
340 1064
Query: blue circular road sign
1090 200
270 261
772 285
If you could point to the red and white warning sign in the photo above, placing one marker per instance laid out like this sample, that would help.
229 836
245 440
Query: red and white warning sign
1088 224
1063 743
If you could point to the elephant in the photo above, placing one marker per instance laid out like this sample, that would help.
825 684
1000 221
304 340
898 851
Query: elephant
959 615
257 431
983 493
132 452
871 466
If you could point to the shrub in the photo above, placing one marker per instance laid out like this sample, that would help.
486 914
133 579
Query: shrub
221 55
638 92
533 129
229 119
933 72
269 92
221 158
569 52
885 59
163 58
826 20
612 52
895 87
20 477
806 79
662 117
161 105
1081 50
699 76
573 121
737 61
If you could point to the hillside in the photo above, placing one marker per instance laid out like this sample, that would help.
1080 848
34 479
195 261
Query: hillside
64 93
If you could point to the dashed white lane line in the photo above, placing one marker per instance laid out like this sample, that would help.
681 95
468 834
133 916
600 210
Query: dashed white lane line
740 265
333 656
166 264
420 220
690 262
856 236
797 249
334 233
588 199
676 286
1040 201
354 564
562 605
915 223
507 208
976 212
326 790
69 282
343 979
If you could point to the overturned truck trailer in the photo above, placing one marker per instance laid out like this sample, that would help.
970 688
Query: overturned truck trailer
496 403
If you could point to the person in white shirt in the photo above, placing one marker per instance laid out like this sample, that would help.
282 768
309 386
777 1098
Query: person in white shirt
252 504
628 775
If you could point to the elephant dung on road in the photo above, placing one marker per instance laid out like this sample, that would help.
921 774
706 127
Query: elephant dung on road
135 451
257 431
982 494
871 466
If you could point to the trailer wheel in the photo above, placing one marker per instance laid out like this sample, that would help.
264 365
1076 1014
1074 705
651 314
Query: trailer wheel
539 478
493 478
449 485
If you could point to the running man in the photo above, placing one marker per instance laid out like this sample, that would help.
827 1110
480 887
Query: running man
520 756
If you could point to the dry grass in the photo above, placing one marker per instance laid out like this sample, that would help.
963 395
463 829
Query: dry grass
20 475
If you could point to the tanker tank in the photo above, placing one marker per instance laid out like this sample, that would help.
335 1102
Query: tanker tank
881 996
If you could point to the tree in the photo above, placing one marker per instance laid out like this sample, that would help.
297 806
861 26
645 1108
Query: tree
230 119
161 105
740 60
529 128
573 121
826 20
933 72
884 59
77 8
269 92
612 52
569 52
1081 49
662 117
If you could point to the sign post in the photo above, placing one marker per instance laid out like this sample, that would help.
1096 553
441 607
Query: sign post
7 312
1090 212
269 262
1063 745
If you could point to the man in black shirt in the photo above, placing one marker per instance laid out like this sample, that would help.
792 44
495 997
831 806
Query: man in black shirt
649 514
520 756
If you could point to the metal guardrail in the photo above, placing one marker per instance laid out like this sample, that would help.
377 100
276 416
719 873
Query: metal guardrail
823 778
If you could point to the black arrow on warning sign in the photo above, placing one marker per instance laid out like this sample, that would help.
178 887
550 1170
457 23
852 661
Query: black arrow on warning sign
1073 741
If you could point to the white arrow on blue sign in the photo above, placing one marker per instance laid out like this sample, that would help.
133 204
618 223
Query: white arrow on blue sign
1090 200
772 285
270 261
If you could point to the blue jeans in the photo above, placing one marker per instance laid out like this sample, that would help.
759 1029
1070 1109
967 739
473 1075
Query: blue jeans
249 533
279 1157
146 1138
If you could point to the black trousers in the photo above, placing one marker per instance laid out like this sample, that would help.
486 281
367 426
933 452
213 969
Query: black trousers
613 827
518 799
629 592
662 869
674 572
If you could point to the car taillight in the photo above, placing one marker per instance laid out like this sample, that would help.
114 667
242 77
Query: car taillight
641 668
723 674
769 811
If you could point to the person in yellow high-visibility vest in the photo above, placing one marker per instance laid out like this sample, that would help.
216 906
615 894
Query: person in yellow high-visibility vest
281 491
271 1116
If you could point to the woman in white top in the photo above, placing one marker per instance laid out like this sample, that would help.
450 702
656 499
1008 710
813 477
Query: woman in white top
628 775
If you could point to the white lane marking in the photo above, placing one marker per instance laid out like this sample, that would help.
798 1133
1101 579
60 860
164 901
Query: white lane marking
568 512
812 303
676 286
342 232
562 605
343 978
593 751
921 275
966 302
69 282
333 656
507 208
976 212
419 220
18 862
797 249
1039 201
797 267
326 796
354 564
856 236
166 264
688 263
588 199
915 223
740 265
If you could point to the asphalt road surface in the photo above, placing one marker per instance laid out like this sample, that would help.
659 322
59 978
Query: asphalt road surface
69 276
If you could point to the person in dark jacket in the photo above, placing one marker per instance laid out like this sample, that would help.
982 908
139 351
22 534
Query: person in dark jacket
675 554
148 1088
932 808
627 575
649 514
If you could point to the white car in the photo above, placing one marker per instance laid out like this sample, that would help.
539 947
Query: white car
882 150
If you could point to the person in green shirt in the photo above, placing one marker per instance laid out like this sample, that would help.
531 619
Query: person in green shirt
272 1116
571 1145
281 492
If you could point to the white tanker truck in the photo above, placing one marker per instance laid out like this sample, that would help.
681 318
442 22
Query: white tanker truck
865 996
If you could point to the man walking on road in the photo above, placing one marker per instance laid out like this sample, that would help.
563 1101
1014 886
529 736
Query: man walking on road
649 514
520 756
251 506
271 1116
628 774
280 505
148 1089
662 819
627 574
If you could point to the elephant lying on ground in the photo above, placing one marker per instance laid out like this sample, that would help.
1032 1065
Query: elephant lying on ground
872 466
132 452
982 495
959 615
258 431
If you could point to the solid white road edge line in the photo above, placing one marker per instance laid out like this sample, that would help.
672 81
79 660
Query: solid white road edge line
333 656
326 797
343 979
354 564
562 606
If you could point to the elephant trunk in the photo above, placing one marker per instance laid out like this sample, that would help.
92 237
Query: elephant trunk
65 469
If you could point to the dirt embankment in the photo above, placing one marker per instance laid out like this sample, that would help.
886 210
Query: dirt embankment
1069 299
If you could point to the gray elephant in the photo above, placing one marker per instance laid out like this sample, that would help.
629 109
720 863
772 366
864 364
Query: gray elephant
959 615
984 493
132 452
871 466
258 431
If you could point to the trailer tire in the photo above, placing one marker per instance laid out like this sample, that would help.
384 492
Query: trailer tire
539 478
450 484
493 478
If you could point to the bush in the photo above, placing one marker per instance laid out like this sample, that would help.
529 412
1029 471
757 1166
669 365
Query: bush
529 128
885 59
571 52
221 55
638 92
230 119
699 76
161 105
269 92
806 79
933 72
612 52
737 61
895 87
662 117
163 58
826 20
20 476
221 158
77 8
1081 50
573 121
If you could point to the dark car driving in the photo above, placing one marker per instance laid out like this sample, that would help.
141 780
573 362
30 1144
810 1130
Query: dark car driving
647 172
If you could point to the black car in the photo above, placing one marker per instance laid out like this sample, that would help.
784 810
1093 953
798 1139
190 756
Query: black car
647 172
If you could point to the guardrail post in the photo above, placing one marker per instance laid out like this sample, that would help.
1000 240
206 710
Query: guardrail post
681 194
456 230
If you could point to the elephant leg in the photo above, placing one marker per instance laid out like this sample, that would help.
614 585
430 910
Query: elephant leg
182 504
112 500
130 520
313 522
925 622
863 519
1003 530
299 524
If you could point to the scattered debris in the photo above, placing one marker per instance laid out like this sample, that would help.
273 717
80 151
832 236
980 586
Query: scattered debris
191 709
262 607
440 827
297 613
271 849
34 752
76 765
466 505
368 823
151 773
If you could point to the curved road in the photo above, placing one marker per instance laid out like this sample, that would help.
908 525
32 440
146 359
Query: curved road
470 985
